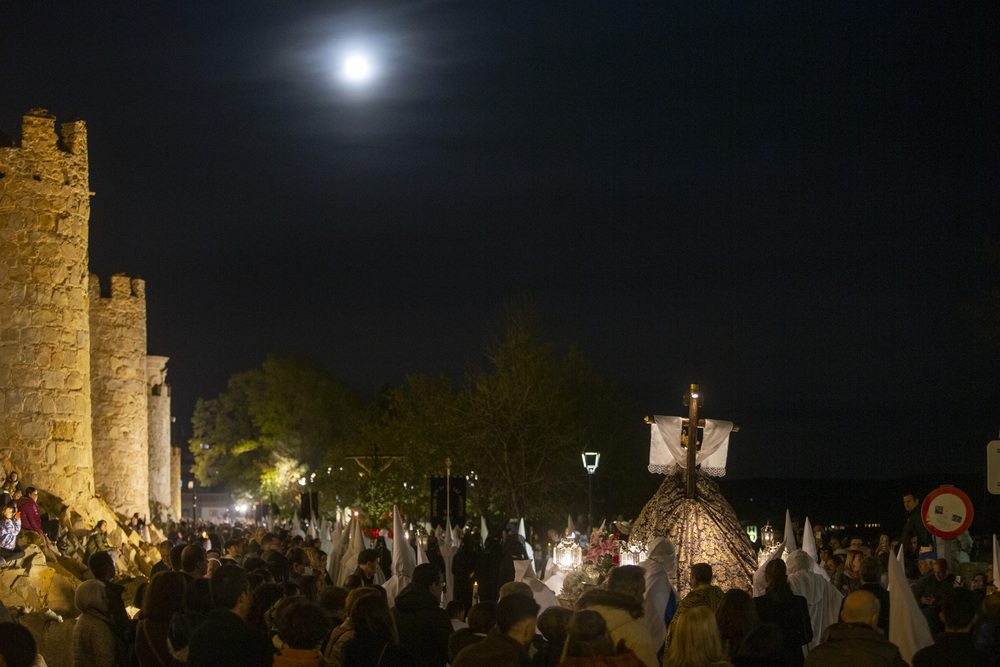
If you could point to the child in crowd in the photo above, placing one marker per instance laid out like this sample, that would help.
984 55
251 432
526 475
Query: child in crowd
10 526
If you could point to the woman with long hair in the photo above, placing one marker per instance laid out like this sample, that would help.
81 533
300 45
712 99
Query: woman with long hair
736 618
163 598
589 644
781 607
345 631
696 641
375 640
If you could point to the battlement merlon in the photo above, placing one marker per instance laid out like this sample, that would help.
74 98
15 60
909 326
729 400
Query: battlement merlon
122 287
38 133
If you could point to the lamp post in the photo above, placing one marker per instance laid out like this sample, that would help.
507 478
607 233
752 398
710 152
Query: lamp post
590 461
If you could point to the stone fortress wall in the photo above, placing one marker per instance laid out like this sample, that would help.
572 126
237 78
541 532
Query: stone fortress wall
44 327
119 419
76 399
158 402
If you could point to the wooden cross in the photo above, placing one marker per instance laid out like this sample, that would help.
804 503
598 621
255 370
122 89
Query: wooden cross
690 441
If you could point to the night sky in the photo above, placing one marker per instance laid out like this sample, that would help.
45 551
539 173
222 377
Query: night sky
777 201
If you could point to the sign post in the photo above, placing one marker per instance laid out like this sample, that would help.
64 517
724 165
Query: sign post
947 512
993 467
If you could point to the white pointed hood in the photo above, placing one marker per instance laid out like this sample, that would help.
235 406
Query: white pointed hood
809 546
421 554
355 545
790 544
907 626
524 539
759 587
523 571
448 554
483 530
403 560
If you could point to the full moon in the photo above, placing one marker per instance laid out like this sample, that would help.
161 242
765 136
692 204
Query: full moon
357 68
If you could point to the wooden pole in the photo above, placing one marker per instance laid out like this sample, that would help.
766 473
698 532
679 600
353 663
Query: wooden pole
692 442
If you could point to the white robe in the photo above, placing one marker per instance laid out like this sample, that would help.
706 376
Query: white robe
661 568
822 597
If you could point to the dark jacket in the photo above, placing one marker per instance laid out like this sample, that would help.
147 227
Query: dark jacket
883 600
224 640
854 645
424 627
952 648
497 650
367 650
791 614
30 518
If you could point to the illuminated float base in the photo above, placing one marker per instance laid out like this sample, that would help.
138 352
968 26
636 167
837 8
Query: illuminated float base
704 530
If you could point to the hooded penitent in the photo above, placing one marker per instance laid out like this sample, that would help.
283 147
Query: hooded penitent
403 560
821 596
661 568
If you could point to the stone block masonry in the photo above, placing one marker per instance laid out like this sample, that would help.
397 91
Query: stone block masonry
158 405
119 415
45 400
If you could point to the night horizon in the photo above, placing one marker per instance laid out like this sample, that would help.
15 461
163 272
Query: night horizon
780 205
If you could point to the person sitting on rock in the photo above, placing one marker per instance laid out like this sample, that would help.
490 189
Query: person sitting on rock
10 526
98 541
10 485
28 507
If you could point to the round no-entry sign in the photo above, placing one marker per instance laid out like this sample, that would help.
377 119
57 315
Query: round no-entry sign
947 512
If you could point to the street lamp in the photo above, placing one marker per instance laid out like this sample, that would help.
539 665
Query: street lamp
590 461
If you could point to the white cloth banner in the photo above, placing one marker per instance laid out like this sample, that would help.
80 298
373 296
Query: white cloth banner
666 451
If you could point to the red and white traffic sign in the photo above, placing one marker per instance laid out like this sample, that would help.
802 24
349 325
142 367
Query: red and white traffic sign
947 512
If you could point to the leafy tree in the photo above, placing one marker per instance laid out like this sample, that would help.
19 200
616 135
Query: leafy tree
282 420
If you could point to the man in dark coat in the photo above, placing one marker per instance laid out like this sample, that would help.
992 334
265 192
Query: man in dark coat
856 640
506 644
424 627
224 640
954 646
871 576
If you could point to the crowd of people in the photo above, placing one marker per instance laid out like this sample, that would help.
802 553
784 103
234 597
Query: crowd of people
244 595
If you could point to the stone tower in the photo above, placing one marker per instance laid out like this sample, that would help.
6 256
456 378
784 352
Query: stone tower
44 330
120 419
158 406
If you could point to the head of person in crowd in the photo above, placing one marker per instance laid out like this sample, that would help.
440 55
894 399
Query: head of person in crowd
852 566
871 571
426 575
515 588
301 566
353 581
164 596
302 625
587 636
516 617
696 639
310 586
861 607
978 582
911 501
368 562
262 598
736 618
17 646
102 566
333 600
101 527
213 565
958 610
456 610
856 543
233 549
940 569
355 595
630 580
553 624
925 562
230 589
270 542
165 547
371 617
482 617
175 557
194 561
701 575
776 578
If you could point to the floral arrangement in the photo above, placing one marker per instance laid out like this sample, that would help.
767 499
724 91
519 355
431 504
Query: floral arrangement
600 557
